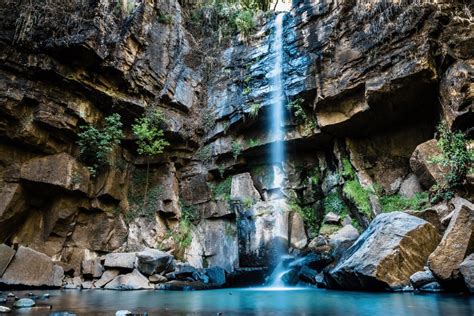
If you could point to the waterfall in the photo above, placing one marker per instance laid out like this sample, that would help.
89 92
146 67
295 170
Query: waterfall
277 135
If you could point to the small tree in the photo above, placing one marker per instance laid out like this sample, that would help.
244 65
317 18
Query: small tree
456 157
150 139
96 144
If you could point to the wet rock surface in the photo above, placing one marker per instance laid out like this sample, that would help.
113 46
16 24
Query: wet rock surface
371 81
393 247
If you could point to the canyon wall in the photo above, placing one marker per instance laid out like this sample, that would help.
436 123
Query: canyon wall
371 82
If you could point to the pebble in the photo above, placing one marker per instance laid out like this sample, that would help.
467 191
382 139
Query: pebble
4 309
24 302
31 294
47 295
123 313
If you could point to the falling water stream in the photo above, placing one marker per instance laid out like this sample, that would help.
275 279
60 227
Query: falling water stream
277 147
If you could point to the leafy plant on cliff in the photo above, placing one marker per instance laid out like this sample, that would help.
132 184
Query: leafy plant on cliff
334 203
396 202
254 108
95 145
359 195
236 148
456 157
301 117
245 22
149 138
165 18
222 190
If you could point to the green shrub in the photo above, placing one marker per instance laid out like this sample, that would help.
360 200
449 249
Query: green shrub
142 205
456 157
246 91
222 190
300 115
149 138
248 202
315 176
204 154
165 18
254 142
236 148
334 203
149 135
96 144
208 120
355 192
348 171
254 109
395 202
244 22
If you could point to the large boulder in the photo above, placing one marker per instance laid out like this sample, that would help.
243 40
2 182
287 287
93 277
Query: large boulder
421 278
32 268
121 260
421 163
456 243
92 268
243 188
6 256
106 277
131 281
394 246
151 261
216 275
60 170
298 237
341 240
467 271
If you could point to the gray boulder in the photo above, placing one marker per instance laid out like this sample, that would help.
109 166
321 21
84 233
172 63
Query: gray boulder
106 277
32 268
151 261
467 271
156 278
92 268
6 256
307 275
341 240
182 271
121 260
4 309
455 246
420 278
131 281
393 247
24 303
216 275
431 287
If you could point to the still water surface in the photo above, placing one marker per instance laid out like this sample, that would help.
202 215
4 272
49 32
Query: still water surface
255 301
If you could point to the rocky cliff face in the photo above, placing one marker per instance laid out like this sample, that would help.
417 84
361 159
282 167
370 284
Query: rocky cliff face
369 81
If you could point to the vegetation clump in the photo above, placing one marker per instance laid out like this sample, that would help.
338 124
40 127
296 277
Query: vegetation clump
301 117
456 157
150 139
95 145
396 202
334 203
236 148
359 195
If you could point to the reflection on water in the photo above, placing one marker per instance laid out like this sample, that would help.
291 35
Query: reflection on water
255 301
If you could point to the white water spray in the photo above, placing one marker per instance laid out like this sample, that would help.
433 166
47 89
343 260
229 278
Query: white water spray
277 133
